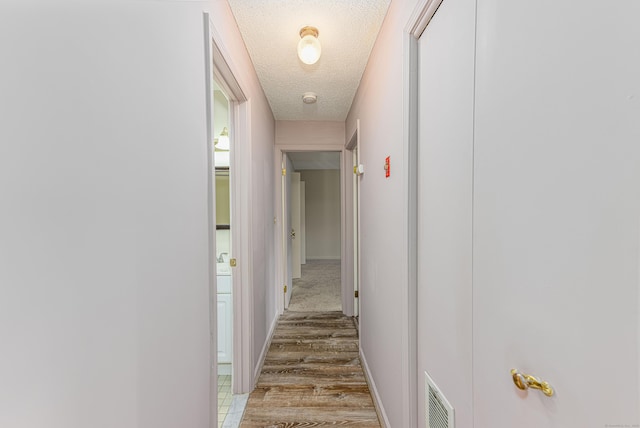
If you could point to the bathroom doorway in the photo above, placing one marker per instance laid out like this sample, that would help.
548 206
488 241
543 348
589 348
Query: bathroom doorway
224 261
230 285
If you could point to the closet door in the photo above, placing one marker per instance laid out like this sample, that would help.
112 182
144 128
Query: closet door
557 213
445 168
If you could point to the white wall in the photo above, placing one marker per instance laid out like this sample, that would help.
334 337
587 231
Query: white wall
309 133
322 207
104 312
384 302
263 211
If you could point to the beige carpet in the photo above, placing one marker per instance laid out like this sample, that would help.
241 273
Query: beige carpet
318 289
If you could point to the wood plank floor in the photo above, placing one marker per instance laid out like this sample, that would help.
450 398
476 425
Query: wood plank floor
312 376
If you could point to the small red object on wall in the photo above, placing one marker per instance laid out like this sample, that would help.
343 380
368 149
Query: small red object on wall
387 166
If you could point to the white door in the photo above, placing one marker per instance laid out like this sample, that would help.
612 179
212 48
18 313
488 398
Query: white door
356 230
444 205
296 250
302 233
286 231
557 213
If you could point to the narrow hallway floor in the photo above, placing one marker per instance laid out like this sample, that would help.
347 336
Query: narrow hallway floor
312 376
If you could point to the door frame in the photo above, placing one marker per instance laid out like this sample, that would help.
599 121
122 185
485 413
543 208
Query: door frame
353 214
280 241
294 211
219 67
287 245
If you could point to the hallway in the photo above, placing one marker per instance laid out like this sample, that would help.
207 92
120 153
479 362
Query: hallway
490 191
312 375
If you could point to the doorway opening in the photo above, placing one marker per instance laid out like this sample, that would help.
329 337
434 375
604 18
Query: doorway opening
231 315
312 207
224 272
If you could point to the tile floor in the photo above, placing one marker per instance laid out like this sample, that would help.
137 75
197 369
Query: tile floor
230 407
224 397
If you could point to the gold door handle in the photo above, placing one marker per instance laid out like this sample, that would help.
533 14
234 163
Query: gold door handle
525 381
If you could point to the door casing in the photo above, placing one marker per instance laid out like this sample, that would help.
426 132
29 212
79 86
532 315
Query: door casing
219 66
353 218
281 240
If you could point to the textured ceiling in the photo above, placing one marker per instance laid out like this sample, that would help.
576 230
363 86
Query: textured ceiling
348 29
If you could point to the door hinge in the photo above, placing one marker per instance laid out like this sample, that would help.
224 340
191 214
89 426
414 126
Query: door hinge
355 293
285 288
284 171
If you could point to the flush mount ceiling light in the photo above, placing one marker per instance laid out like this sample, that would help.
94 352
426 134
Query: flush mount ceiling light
309 48
309 98
222 143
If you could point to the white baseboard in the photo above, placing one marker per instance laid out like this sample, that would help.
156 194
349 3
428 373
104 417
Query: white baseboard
265 349
377 402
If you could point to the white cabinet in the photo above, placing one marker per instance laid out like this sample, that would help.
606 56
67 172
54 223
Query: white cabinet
225 316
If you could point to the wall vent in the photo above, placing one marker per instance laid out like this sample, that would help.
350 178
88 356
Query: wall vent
438 412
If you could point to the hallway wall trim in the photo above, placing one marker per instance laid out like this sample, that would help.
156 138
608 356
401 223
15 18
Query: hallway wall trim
377 401
265 349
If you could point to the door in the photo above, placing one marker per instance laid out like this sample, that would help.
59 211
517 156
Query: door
444 207
557 213
356 231
302 232
238 159
296 248
287 167
356 172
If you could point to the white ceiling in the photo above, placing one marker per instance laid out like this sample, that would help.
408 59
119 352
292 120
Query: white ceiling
347 32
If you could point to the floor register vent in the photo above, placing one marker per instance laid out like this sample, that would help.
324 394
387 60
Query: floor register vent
437 410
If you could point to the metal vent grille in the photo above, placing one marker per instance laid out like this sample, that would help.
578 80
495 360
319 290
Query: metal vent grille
438 411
